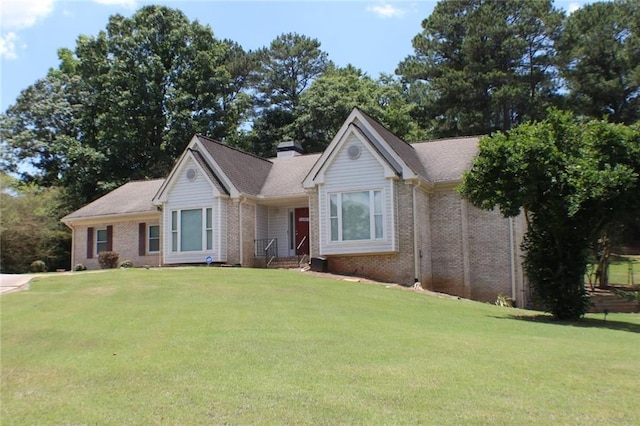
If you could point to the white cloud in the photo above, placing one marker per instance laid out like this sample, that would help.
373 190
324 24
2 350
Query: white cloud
573 7
8 45
386 10
19 14
129 4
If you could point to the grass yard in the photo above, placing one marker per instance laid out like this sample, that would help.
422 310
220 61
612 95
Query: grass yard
625 270
247 346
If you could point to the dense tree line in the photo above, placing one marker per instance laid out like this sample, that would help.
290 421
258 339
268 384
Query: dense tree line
124 103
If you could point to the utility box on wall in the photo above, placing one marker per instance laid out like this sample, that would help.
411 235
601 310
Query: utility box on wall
319 264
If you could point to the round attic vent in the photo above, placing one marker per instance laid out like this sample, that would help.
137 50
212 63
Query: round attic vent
191 174
354 152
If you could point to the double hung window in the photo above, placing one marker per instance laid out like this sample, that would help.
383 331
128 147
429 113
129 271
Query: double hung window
355 216
191 230
154 239
102 240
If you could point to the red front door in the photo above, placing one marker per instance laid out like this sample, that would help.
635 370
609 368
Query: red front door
301 218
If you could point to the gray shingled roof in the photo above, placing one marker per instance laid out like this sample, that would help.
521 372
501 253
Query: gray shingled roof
130 198
445 160
246 171
437 161
287 174
403 149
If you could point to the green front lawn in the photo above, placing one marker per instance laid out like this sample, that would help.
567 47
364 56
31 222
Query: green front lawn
241 346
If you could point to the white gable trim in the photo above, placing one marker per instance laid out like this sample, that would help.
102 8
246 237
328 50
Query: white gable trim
165 189
194 145
233 191
389 171
357 124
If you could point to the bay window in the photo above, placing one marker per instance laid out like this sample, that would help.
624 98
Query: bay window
355 216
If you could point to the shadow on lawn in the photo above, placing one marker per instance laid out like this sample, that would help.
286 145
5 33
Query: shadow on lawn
583 323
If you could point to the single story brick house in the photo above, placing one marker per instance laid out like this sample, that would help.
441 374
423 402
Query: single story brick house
371 204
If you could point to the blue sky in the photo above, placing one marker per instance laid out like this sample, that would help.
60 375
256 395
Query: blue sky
371 35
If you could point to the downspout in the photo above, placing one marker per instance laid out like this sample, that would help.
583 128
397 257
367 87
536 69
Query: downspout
73 246
242 201
416 253
512 256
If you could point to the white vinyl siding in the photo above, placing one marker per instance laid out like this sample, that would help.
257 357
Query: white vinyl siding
195 217
262 222
279 228
365 174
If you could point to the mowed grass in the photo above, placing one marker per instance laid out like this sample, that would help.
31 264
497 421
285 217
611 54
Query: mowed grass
247 346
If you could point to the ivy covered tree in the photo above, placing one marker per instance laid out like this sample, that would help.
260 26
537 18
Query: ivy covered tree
600 60
486 65
571 180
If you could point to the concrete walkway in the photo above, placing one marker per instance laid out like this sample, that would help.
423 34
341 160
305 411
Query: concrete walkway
14 282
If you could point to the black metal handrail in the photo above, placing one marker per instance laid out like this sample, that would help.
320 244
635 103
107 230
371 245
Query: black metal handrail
266 247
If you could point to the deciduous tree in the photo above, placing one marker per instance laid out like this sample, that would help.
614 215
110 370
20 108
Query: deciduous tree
571 180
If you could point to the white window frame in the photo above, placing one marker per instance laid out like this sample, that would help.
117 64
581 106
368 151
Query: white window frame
374 213
149 238
206 229
105 242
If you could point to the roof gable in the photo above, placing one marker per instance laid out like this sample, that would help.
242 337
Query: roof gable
393 152
246 172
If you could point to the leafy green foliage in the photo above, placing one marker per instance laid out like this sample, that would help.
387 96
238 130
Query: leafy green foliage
572 180
600 60
108 259
38 266
30 228
487 65
125 104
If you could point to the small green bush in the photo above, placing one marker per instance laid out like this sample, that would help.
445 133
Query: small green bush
38 266
80 267
108 259
126 264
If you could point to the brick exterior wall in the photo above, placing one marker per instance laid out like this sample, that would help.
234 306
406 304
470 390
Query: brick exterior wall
446 250
233 228
248 233
125 243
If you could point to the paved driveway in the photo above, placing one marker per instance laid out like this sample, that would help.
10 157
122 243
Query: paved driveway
14 282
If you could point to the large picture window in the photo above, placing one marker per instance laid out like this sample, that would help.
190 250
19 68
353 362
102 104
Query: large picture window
191 230
355 216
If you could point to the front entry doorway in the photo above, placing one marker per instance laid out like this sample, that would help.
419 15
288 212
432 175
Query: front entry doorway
301 227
